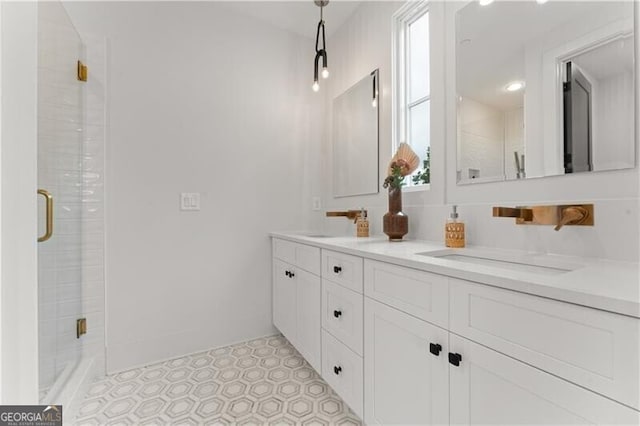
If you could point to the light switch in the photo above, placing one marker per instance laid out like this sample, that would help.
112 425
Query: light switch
190 201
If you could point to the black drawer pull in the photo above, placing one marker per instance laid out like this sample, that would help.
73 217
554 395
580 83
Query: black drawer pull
337 269
287 273
337 314
455 359
435 348
337 370
291 274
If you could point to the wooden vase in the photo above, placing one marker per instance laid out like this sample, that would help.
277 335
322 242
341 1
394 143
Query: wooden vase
395 224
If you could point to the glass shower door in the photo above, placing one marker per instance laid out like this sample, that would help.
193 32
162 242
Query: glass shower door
60 130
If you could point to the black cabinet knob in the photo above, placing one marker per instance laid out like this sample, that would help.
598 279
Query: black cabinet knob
291 274
435 348
287 273
337 314
455 359
337 370
337 269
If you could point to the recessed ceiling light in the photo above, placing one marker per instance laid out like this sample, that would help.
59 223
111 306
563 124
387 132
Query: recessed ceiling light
485 2
542 1
514 86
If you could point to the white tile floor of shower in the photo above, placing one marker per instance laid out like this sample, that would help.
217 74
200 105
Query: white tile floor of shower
263 381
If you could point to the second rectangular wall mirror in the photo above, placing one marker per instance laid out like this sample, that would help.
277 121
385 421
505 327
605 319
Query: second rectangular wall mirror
544 89
355 139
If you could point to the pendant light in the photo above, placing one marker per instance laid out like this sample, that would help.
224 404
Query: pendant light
320 53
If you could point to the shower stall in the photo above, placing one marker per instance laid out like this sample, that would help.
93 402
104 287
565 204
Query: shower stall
70 269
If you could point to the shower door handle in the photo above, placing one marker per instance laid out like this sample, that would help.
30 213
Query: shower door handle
49 205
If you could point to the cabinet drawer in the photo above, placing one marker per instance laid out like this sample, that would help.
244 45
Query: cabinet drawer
342 369
342 314
589 347
488 387
301 255
415 292
342 269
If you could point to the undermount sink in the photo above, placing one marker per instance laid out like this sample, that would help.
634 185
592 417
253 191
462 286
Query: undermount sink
532 263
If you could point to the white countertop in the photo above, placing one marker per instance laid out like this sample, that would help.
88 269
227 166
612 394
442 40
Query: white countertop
602 284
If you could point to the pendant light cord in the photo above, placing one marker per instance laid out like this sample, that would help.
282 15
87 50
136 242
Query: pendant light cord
321 24
320 52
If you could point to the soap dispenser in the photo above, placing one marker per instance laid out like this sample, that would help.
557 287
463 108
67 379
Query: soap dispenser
362 224
454 231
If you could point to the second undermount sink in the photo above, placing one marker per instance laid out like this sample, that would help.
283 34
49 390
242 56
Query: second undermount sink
521 262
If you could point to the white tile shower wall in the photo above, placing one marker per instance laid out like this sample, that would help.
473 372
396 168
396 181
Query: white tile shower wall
93 198
480 139
363 43
60 104
201 99
71 279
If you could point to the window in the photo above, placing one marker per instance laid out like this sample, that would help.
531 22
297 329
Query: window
411 100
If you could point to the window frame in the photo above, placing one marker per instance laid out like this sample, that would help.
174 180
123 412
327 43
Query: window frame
400 122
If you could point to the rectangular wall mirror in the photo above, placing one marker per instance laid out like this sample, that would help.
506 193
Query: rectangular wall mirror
544 89
355 139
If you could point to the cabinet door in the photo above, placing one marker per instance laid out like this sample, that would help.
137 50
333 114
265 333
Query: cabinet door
490 388
404 382
284 300
589 347
308 317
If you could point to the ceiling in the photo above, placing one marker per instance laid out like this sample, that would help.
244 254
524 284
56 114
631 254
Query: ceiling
298 16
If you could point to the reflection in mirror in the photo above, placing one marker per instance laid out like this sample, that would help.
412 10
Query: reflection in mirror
555 96
355 139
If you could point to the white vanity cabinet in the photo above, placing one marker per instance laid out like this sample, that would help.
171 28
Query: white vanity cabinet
297 297
407 346
411 315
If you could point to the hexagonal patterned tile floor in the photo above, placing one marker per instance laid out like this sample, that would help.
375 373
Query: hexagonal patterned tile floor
263 381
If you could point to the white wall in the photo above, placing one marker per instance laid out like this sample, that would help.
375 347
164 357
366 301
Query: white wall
201 99
364 43
613 102
18 233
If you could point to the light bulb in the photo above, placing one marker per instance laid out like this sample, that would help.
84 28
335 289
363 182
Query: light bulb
315 86
374 102
325 72
514 86
542 1
485 2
